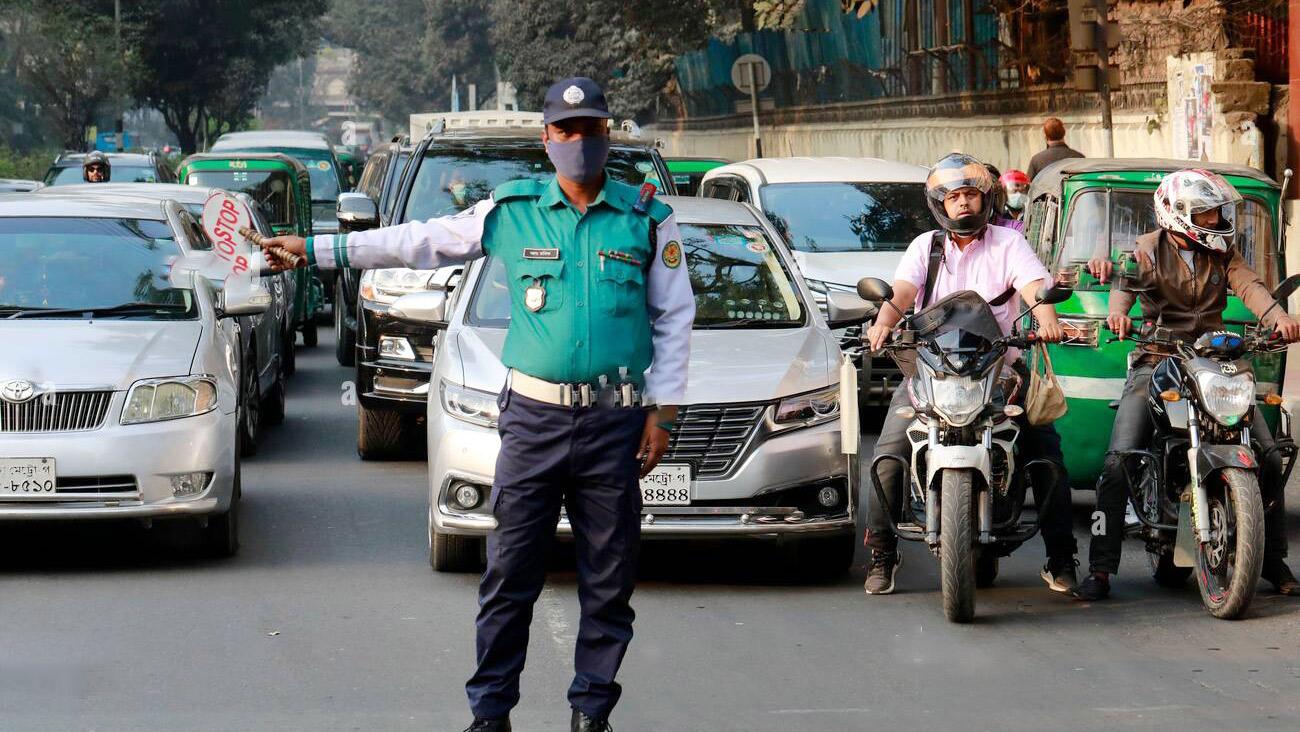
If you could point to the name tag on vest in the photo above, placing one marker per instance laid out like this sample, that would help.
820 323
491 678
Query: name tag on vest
541 254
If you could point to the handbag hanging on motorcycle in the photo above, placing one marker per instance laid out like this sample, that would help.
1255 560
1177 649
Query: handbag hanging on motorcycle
1044 402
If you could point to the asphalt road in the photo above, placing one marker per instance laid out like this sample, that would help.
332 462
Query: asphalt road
330 619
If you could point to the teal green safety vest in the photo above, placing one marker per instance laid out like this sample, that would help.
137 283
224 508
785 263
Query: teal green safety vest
592 318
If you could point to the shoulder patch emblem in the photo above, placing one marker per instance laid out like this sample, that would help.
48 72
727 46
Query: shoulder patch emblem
672 255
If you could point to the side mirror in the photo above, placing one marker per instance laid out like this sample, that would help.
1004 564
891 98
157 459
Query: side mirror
1287 288
843 309
242 297
874 289
421 308
356 212
1054 294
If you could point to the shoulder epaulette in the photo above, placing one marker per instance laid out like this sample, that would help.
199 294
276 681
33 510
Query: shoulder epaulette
522 188
659 211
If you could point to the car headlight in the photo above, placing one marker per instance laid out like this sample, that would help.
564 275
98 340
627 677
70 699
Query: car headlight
808 409
386 285
1226 398
156 400
470 405
957 398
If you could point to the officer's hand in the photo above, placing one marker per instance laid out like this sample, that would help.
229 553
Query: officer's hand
276 247
654 443
1101 268
1288 328
1119 324
877 335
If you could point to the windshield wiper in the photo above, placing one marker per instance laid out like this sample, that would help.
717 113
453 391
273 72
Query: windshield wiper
744 323
126 308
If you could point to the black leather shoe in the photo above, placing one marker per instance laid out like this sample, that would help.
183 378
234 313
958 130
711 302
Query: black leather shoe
489 725
1093 587
583 723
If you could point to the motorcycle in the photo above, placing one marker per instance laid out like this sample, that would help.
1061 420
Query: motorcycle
1196 489
966 489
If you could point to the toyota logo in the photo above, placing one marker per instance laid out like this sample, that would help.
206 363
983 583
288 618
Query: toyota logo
17 391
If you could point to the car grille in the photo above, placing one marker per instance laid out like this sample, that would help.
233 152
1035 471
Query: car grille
96 485
712 438
66 411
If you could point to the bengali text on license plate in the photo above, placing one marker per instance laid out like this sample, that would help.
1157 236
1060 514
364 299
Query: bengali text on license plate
27 476
667 485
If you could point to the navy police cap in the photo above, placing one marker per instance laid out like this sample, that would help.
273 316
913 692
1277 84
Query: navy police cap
576 97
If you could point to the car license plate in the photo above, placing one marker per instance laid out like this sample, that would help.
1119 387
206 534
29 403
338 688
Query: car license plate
667 485
27 477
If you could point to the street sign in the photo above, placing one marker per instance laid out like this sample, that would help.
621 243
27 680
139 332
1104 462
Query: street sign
748 68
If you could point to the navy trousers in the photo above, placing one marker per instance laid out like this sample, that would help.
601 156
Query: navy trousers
585 459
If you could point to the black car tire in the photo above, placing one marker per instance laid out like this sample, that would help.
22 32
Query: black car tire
289 353
221 535
380 434
250 407
824 558
273 402
451 553
309 334
345 338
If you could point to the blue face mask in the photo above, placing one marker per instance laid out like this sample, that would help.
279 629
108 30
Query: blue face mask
582 160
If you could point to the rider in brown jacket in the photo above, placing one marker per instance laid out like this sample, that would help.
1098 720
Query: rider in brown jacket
1184 271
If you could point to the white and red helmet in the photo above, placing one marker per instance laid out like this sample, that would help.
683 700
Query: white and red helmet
1186 192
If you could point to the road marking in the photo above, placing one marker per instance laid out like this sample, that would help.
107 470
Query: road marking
556 622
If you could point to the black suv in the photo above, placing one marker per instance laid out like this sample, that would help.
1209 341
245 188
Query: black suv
447 172
378 182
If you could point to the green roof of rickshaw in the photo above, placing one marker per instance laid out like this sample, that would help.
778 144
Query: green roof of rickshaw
253 161
694 165
1142 171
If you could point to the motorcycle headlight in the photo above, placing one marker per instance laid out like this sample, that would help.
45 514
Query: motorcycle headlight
1226 398
155 400
957 398
808 409
470 405
386 285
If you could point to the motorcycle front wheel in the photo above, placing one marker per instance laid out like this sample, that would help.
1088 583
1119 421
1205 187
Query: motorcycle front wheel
956 547
1228 566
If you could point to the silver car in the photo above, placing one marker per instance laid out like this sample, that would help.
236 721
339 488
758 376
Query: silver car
266 340
118 374
756 451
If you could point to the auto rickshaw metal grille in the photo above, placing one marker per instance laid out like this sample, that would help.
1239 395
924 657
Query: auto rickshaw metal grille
66 411
712 437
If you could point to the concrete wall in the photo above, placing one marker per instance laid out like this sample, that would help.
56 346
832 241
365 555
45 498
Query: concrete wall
1005 141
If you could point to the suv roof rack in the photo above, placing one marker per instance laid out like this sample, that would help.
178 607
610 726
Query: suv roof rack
422 124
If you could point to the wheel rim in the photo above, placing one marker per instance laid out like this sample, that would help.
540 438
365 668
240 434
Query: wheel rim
1217 554
251 408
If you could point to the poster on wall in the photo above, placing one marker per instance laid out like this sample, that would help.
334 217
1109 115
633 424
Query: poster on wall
1193 112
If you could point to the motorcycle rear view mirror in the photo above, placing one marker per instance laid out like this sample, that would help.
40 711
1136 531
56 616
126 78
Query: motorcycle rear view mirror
1287 288
874 289
1054 294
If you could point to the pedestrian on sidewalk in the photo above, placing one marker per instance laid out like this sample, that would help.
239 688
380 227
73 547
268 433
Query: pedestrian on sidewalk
1054 131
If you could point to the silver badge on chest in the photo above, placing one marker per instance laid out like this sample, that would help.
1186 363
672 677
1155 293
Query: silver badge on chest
535 297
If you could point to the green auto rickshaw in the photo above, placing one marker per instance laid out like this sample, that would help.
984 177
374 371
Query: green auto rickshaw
688 172
282 186
1081 208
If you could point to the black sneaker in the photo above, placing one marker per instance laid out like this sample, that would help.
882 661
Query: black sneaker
489 725
1279 575
580 722
880 572
1059 574
1093 587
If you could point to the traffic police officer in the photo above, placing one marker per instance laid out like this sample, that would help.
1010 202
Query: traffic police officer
601 315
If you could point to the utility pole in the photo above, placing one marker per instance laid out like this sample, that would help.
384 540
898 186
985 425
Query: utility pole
1092 38
119 128
1293 114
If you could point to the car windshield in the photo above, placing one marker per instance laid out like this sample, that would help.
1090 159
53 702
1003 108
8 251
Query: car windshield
119 173
79 264
450 181
269 188
320 166
737 276
1132 214
847 217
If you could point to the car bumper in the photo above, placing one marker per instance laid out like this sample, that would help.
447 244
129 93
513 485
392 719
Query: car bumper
132 466
390 383
748 503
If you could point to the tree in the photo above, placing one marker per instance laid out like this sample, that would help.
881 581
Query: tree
59 58
204 63
388 36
